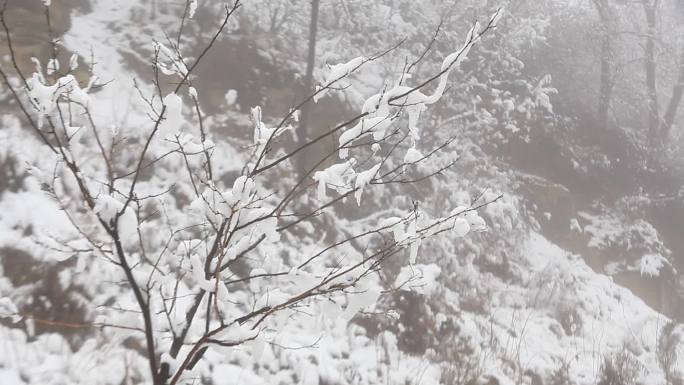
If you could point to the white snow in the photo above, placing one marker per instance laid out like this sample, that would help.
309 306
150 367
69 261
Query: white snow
336 73
337 177
173 117
192 8
412 156
461 227
376 125
421 279
363 179
651 264
231 97
107 208
8 309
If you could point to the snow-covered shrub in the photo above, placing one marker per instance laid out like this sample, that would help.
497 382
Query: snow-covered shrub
671 352
619 369
462 367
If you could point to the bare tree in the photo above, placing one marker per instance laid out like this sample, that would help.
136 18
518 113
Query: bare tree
607 82
659 128
116 179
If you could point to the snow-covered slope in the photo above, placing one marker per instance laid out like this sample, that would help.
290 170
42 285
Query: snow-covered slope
550 320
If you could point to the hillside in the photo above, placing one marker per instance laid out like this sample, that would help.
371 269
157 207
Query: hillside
576 279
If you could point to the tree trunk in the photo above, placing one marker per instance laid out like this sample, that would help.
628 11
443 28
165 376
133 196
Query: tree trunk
606 88
606 77
675 100
308 83
650 67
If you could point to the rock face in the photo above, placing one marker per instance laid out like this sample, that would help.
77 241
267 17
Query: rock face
30 34
49 294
